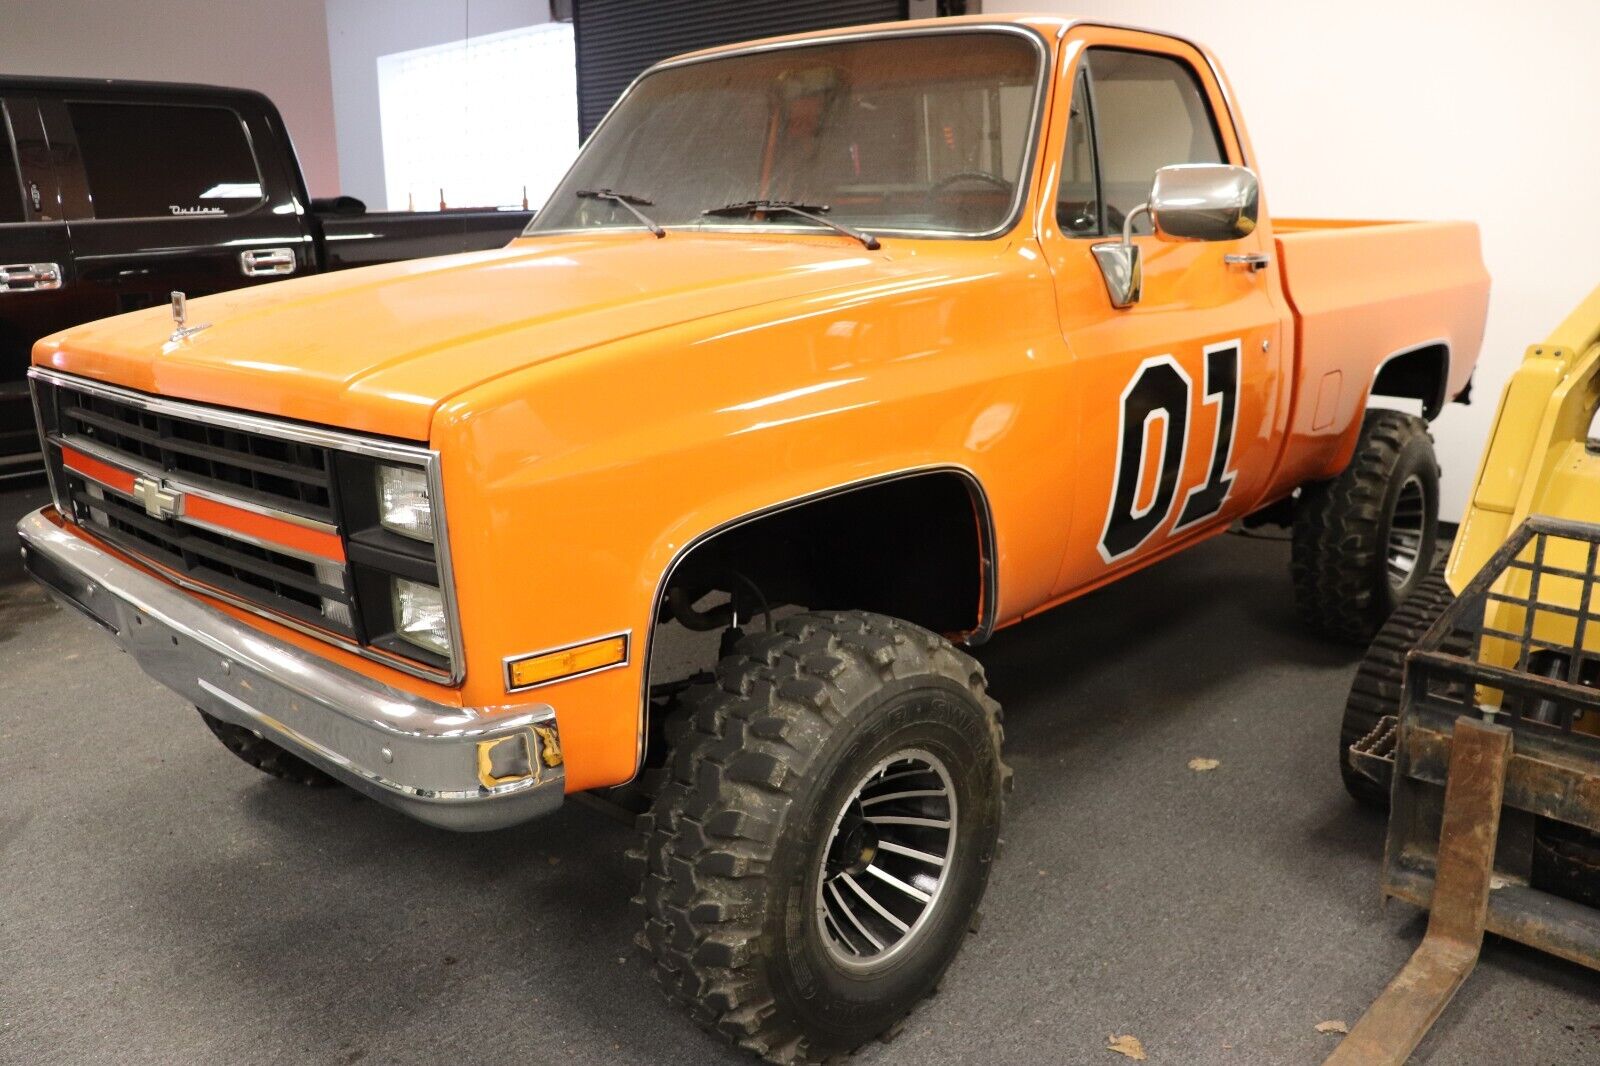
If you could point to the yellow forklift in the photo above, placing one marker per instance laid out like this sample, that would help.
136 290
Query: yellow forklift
1475 715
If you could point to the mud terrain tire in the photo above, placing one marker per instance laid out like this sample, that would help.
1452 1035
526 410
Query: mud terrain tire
742 838
1342 530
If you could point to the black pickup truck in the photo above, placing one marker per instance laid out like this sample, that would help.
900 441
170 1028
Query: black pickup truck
114 193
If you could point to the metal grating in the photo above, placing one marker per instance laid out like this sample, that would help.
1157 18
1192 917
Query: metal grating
1532 623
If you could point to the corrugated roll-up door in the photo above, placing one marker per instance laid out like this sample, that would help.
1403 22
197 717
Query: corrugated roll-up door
616 39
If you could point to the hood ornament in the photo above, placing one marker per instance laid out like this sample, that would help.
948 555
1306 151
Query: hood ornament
180 318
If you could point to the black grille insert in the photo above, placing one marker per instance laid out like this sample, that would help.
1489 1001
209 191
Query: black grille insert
286 474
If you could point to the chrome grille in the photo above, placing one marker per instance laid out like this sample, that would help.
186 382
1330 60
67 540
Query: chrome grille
284 473
247 509
274 579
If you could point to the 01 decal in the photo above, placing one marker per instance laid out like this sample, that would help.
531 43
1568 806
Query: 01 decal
1222 388
1160 394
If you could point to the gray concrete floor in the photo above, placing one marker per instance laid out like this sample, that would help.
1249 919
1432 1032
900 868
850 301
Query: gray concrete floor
160 902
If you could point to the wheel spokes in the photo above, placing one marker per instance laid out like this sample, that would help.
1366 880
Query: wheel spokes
887 859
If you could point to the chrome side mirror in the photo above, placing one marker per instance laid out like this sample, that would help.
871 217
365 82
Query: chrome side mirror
1204 202
1188 202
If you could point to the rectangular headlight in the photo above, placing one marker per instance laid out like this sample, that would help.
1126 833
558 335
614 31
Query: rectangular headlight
403 503
419 615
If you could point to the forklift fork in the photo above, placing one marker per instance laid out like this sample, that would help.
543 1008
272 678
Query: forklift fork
1397 1021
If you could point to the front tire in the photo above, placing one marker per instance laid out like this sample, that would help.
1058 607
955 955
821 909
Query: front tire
798 774
264 755
1365 540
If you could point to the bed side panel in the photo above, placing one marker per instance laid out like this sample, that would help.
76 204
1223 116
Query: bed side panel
1361 293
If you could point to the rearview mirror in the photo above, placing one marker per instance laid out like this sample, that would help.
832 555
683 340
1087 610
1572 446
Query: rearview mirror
1188 202
1204 202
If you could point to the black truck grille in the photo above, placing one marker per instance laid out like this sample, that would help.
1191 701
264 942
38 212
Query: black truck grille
255 469
285 473
266 514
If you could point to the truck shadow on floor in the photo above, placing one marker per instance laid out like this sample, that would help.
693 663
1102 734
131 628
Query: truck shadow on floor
1153 644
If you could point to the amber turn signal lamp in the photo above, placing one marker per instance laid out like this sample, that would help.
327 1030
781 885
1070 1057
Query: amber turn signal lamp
567 662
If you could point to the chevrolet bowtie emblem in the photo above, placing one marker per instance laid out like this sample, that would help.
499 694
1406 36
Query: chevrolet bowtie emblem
158 500
180 319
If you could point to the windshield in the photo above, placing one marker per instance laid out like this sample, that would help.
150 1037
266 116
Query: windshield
926 133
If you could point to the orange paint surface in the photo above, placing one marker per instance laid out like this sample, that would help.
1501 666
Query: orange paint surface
601 399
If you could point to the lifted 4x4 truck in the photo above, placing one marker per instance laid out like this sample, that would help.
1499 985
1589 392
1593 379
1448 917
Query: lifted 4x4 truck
850 348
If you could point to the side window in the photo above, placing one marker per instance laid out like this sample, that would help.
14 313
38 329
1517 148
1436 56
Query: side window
145 160
10 182
1078 201
1150 111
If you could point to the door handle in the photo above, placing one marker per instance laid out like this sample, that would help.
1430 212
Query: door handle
1251 261
264 262
30 277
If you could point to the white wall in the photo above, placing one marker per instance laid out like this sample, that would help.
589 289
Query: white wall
359 31
1422 109
278 47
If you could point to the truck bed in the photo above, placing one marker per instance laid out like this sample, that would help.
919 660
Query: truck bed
1363 292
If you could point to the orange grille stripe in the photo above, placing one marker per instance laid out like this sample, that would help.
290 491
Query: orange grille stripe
213 512
265 527
90 467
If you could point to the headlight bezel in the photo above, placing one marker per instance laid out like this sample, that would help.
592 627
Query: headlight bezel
378 554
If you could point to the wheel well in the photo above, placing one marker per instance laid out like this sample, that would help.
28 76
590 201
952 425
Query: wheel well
1421 373
915 546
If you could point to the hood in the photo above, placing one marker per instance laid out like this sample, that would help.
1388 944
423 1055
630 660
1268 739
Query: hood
378 349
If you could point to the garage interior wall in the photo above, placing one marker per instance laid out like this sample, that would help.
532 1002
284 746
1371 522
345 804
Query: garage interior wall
279 48
359 31
1433 109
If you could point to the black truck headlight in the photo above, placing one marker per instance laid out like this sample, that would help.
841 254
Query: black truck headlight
403 502
419 615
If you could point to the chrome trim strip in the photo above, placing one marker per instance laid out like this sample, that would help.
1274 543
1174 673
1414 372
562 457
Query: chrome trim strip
627 657
377 448
1025 174
989 563
1430 410
247 423
38 421
409 752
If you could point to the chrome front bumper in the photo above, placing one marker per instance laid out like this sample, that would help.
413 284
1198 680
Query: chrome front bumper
453 767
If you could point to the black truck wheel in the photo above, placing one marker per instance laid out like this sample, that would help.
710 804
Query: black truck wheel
1365 540
264 755
819 849
1377 688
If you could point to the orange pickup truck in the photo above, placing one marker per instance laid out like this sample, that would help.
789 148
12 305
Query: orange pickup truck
830 355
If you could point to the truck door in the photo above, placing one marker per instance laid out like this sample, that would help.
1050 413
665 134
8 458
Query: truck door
1181 404
35 273
166 193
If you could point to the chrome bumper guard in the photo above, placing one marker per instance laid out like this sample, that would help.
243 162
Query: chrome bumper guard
453 767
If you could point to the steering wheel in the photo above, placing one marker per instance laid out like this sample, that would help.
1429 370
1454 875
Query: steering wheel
979 176
1086 218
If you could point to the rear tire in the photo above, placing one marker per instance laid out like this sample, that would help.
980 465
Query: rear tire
1365 540
264 755
1379 681
761 812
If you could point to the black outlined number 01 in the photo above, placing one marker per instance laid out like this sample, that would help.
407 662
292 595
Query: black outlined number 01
1161 392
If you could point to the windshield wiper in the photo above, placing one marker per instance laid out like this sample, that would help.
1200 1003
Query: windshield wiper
812 211
628 201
